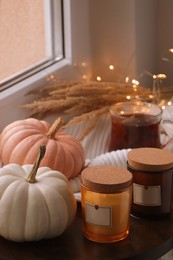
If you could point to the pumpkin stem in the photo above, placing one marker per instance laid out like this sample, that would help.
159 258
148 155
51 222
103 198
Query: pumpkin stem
31 177
54 128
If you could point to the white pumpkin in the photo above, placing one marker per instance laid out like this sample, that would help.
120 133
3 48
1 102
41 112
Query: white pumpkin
34 208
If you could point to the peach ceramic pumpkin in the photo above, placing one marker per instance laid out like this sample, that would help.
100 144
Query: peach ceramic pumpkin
20 141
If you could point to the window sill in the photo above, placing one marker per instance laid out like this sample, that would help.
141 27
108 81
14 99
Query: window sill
12 98
33 82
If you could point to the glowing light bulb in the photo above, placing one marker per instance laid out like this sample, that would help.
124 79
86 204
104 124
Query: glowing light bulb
170 50
151 96
126 79
135 87
111 67
83 64
128 97
159 76
135 82
84 76
51 77
99 78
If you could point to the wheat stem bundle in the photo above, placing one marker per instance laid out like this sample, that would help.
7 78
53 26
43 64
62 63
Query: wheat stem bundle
83 100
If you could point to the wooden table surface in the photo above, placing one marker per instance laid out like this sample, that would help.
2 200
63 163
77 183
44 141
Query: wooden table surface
148 239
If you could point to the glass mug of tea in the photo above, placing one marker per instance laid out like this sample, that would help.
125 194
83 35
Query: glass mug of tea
135 124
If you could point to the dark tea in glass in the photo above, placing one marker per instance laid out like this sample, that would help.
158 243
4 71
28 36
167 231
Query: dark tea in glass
135 124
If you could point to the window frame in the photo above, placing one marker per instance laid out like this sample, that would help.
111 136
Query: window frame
54 52
36 79
76 50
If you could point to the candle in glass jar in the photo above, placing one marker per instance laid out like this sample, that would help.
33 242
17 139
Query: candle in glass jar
106 193
152 170
135 124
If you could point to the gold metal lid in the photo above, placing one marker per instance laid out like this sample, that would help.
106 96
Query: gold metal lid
150 159
106 179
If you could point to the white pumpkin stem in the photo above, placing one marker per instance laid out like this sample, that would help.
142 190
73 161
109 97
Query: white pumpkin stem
54 128
32 176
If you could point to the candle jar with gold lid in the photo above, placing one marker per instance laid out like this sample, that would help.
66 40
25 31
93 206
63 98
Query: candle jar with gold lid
106 193
152 170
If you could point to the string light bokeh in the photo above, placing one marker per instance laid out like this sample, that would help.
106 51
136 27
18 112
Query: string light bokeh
157 80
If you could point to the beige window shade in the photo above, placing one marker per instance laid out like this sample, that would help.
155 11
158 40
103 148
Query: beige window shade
22 36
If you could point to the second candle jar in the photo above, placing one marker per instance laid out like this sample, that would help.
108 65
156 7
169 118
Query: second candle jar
152 170
106 203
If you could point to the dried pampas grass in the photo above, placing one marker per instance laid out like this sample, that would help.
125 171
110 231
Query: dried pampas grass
82 100
78 98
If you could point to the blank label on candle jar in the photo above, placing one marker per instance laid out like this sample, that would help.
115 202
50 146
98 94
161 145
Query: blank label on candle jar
146 195
98 215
